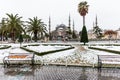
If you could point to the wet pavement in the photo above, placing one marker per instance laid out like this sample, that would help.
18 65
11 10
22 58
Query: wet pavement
58 73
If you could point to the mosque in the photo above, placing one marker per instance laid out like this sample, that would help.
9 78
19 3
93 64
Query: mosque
62 32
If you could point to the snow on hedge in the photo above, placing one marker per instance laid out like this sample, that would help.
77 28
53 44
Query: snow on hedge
42 48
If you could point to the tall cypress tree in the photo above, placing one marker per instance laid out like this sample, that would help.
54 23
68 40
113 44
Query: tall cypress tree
20 39
84 36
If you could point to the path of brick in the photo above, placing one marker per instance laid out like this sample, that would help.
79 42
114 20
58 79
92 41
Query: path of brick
58 73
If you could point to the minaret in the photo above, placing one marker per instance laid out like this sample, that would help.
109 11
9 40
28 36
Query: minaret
73 26
96 23
49 25
69 24
73 29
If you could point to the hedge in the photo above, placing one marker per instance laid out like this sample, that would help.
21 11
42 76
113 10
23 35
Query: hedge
33 45
46 45
5 47
47 52
112 51
103 44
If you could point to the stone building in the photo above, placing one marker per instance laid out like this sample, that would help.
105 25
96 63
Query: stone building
63 32
110 34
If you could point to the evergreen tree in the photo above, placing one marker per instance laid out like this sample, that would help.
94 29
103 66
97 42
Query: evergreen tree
97 31
74 36
20 39
84 36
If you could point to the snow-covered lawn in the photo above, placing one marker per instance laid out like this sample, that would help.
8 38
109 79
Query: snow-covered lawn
115 48
73 56
97 52
42 48
1 46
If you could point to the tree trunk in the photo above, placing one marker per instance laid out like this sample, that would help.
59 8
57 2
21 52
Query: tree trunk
35 36
13 37
83 20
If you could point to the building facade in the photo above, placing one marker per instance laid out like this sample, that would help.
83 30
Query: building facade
62 32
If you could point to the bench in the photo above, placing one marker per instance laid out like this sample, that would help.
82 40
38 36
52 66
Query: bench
18 58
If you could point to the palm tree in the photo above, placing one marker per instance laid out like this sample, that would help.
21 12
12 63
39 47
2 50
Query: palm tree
3 28
83 10
43 30
36 27
14 25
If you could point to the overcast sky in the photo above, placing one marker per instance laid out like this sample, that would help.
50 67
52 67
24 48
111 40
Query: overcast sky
107 11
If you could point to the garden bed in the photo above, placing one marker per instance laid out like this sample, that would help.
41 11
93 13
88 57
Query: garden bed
104 49
49 51
4 47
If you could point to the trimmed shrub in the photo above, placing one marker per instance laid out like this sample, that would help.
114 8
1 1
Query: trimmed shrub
84 35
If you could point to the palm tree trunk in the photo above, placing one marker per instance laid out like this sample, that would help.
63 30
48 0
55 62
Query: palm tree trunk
13 37
35 36
83 20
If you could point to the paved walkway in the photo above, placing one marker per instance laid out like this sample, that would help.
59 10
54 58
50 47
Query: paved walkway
58 73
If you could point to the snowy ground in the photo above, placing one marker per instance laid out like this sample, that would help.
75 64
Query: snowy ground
106 57
15 49
73 56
